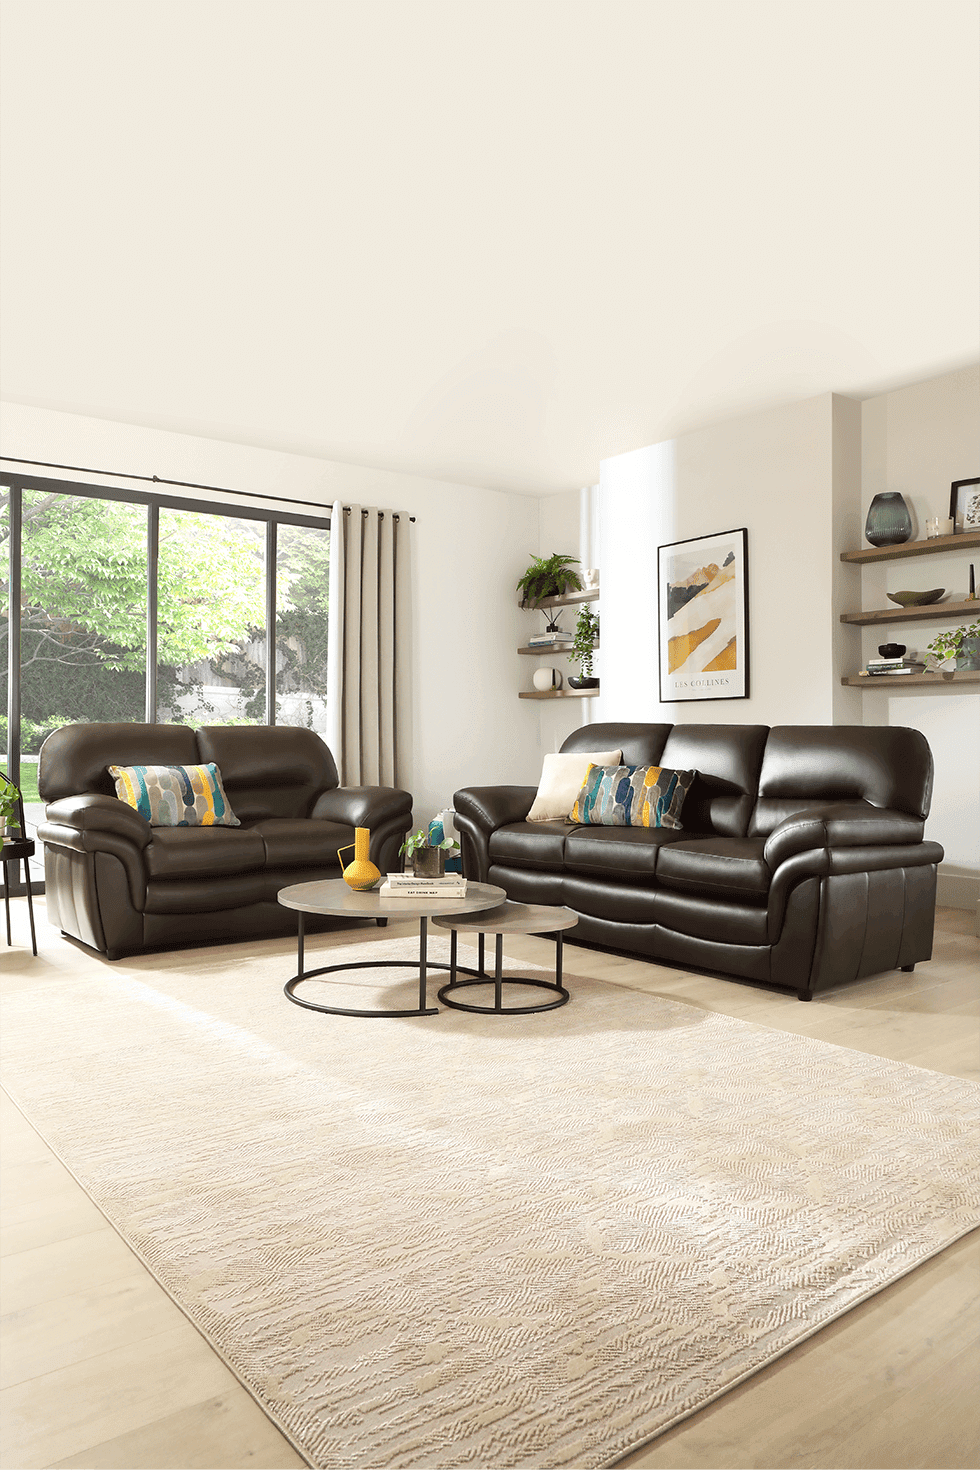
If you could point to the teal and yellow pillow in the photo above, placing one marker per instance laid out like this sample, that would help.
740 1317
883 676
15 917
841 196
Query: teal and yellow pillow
175 796
631 796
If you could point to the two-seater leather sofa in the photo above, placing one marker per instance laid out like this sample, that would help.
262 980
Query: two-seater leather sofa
801 861
120 885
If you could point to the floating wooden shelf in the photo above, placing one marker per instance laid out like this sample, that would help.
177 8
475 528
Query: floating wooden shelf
909 681
932 610
562 693
591 594
964 541
564 648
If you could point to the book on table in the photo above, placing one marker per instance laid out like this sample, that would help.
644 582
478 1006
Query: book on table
407 886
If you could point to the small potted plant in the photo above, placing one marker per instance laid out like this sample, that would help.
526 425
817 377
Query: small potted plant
9 808
548 576
583 650
955 648
427 861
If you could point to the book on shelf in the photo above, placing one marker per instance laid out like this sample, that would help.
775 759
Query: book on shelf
870 673
549 640
894 663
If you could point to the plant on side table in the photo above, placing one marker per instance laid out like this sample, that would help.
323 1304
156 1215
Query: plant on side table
427 861
9 808
583 650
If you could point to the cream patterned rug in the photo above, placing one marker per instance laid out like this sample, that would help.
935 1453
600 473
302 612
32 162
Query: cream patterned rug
475 1241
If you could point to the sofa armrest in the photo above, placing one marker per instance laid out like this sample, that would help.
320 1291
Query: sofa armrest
840 824
92 813
363 806
490 807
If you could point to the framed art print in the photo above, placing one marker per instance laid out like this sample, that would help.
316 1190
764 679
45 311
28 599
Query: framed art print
964 505
703 595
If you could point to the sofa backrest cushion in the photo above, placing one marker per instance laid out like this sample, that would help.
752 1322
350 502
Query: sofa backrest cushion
76 758
642 745
886 765
726 760
269 770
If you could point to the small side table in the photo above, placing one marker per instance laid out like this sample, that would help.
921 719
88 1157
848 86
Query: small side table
15 848
509 918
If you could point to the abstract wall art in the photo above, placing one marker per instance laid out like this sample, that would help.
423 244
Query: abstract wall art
703 595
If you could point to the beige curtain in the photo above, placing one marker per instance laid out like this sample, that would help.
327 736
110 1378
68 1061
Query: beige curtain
369 566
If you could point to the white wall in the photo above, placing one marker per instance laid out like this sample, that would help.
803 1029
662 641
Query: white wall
917 440
470 547
773 473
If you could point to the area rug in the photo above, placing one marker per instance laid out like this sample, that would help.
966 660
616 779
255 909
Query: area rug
483 1241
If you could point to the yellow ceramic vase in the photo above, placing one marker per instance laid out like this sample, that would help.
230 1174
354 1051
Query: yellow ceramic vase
361 874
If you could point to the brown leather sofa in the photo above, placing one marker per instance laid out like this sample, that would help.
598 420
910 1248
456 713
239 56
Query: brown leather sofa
120 885
801 862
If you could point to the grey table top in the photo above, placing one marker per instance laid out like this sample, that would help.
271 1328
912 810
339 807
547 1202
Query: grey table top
332 896
512 918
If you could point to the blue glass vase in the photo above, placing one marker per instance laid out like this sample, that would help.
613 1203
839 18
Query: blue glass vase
889 522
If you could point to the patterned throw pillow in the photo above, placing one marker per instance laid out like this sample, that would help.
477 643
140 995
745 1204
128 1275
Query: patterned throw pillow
175 796
631 796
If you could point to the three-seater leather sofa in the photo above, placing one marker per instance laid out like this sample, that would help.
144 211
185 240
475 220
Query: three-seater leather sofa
120 885
801 861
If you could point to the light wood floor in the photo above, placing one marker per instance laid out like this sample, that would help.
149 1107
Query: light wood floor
101 1369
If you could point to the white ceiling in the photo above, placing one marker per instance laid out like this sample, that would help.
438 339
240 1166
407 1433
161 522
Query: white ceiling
489 242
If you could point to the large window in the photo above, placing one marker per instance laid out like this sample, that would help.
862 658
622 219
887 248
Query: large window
129 606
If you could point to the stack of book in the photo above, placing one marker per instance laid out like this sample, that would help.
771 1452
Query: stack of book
406 885
548 640
909 663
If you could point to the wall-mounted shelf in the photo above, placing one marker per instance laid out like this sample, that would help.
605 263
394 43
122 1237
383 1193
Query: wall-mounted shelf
558 694
561 648
930 611
910 681
591 594
963 541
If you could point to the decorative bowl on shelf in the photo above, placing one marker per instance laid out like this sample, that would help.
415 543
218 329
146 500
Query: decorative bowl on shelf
891 650
916 599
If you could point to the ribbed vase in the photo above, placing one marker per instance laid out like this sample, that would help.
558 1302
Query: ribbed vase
889 522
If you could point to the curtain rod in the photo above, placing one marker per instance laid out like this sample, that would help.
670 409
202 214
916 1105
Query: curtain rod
160 480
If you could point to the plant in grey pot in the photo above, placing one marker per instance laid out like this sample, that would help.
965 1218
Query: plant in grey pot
583 650
426 861
955 648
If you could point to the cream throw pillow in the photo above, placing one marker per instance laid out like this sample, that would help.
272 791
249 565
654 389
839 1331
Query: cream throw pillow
562 778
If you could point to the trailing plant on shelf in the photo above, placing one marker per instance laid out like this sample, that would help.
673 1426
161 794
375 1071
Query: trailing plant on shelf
583 649
955 648
548 576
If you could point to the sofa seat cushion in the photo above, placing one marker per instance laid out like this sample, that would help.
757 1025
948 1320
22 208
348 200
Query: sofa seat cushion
300 842
731 867
619 852
530 845
190 852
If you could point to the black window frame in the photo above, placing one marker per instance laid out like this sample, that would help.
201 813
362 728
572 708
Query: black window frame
155 501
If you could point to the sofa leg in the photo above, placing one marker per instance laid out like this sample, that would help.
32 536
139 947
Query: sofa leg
804 995
381 923
906 969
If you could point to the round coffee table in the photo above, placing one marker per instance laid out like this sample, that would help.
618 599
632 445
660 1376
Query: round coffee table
333 896
509 918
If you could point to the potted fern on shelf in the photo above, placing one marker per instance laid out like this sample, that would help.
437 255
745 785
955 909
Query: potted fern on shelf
583 650
548 576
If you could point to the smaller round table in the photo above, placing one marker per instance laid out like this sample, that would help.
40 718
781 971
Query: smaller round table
509 918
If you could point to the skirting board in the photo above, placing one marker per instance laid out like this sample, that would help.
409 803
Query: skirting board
957 888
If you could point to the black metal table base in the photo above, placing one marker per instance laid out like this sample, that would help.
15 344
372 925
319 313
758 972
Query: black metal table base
497 980
424 966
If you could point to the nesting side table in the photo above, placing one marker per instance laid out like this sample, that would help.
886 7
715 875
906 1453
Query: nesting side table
13 849
509 918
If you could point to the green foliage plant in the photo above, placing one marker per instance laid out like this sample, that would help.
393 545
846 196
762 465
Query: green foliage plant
583 648
419 839
947 646
548 576
8 802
